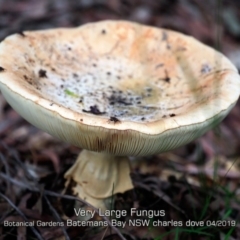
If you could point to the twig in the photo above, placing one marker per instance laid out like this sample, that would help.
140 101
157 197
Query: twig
6 169
56 215
161 195
103 236
15 156
22 215
50 193
203 11
18 183
191 169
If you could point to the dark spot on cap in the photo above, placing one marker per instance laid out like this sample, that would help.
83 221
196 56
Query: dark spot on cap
159 65
94 110
75 75
2 69
149 89
205 68
31 61
167 79
172 115
81 119
69 48
42 73
108 73
143 118
25 77
114 119
181 49
118 100
164 36
94 65
21 33
103 31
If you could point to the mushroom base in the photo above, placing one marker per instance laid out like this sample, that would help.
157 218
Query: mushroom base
99 176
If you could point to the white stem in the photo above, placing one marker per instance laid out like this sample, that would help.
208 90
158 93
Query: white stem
99 176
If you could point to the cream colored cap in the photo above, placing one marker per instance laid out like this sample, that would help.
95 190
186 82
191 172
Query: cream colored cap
117 86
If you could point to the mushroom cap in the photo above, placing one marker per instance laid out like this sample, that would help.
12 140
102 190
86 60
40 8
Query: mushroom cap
117 86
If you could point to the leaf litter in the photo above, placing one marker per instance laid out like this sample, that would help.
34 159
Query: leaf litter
199 181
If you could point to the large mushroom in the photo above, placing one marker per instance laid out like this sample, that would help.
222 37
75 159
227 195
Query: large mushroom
116 89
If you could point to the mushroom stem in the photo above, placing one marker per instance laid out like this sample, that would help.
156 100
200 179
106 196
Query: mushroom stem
99 176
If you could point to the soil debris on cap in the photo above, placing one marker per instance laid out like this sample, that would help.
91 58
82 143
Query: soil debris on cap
114 119
42 73
94 110
21 33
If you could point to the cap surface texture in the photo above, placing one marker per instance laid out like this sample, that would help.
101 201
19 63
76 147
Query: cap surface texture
116 86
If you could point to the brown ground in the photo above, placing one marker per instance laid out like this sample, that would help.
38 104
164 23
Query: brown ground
199 181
